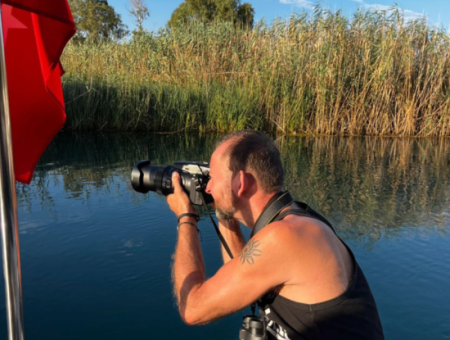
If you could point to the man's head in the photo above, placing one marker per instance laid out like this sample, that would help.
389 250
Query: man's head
243 162
254 150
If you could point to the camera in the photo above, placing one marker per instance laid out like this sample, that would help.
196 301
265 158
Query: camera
252 328
194 177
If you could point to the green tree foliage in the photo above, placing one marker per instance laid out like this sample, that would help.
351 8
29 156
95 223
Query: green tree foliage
96 21
213 10
140 13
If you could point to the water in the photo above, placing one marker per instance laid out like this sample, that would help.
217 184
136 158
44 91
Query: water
96 255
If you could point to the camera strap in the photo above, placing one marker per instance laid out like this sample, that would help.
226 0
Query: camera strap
280 201
272 209
222 240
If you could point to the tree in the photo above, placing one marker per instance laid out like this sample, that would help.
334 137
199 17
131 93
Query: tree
140 13
213 10
96 21
246 15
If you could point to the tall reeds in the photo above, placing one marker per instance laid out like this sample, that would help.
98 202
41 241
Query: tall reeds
373 74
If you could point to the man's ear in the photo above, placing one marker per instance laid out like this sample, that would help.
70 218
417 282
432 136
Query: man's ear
245 180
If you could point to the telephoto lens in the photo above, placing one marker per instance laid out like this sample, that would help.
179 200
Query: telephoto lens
252 328
194 177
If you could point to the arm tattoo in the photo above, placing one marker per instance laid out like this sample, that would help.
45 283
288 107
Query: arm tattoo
249 251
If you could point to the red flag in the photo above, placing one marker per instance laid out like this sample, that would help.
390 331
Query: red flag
35 33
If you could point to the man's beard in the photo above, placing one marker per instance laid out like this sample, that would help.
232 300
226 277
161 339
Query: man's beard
227 213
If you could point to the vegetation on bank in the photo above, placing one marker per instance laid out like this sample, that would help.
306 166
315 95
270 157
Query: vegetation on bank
375 74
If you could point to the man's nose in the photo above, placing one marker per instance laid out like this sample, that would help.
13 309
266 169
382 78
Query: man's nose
208 188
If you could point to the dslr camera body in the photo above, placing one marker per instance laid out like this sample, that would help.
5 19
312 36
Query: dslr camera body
194 177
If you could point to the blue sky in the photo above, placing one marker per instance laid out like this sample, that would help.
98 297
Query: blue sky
436 11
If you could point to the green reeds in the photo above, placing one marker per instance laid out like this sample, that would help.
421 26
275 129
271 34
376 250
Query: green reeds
374 74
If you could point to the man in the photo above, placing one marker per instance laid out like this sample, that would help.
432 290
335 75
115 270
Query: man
311 285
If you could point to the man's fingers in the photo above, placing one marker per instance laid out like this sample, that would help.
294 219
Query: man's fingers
176 181
179 202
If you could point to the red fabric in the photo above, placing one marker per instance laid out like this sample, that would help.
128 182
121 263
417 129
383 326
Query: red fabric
35 33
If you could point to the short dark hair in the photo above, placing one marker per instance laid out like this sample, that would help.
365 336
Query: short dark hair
255 150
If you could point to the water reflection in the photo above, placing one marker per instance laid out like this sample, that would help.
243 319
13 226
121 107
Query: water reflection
372 186
368 187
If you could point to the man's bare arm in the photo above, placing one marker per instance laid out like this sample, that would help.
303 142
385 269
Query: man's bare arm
232 234
237 284
240 282
188 267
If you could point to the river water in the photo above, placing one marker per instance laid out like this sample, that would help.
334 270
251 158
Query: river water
96 255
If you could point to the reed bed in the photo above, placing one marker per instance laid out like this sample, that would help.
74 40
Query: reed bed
373 74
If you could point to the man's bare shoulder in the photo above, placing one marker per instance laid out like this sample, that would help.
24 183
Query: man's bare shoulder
295 230
305 247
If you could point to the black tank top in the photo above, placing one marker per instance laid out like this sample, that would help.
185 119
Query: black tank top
352 315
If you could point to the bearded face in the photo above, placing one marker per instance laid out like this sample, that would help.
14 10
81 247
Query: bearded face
220 184
226 205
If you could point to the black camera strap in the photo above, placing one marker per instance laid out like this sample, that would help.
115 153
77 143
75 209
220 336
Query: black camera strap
221 238
272 209
280 201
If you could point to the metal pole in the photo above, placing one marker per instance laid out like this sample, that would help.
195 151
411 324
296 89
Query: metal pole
8 207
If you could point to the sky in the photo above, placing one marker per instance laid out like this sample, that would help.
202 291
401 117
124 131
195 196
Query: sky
437 12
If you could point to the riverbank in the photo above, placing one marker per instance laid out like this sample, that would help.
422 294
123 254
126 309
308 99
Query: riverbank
375 74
